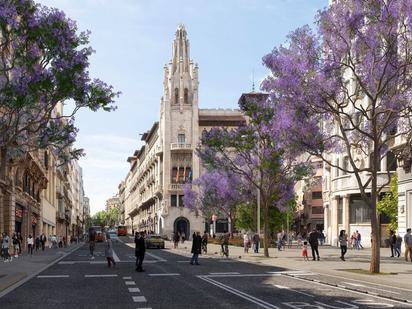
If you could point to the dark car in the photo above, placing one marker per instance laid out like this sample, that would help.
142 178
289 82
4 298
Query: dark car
155 241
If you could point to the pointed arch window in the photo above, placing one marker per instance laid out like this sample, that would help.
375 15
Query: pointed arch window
186 96
176 95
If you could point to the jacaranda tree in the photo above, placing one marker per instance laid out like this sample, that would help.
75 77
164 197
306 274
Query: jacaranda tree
346 87
256 153
44 62
217 192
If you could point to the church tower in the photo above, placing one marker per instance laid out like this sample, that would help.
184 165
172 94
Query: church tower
179 127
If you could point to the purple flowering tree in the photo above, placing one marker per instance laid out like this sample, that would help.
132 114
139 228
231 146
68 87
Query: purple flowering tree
346 88
217 192
44 63
255 152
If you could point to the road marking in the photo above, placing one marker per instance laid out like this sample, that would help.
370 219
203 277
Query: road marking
156 257
115 257
228 273
100 276
164 274
134 290
370 287
186 261
53 276
292 272
241 275
130 283
243 295
139 299
128 278
66 263
354 284
290 289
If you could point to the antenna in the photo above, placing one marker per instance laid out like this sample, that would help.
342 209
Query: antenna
253 80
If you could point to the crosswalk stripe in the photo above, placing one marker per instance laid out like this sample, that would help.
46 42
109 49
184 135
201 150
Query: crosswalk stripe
139 299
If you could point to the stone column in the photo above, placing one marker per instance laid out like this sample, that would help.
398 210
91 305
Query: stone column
334 220
345 213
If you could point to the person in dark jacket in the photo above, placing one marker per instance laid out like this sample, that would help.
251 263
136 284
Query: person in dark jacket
196 248
140 250
314 244
392 242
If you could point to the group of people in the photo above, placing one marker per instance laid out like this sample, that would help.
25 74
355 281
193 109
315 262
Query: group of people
178 237
395 243
12 247
251 242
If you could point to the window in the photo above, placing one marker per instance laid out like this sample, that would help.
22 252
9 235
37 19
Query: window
340 210
181 177
186 96
345 165
359 210
173 200
317 210
181 204
181 139
316 195
46 160
174 175
391 163
176 95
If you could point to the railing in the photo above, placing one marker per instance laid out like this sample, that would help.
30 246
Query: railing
177 186
348 182
180 146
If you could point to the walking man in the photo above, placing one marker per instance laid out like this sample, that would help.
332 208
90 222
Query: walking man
196 248
256 242
408 244
43 241
314 244
343 241
108 251
392 242
5 243
140 250
92 239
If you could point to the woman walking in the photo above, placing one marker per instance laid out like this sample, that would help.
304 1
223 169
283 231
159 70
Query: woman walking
30 242
246 242
108 251
343 241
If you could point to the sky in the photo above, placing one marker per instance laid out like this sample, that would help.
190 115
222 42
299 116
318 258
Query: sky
133 40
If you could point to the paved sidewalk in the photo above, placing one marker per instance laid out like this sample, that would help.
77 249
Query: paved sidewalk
397 272
26 266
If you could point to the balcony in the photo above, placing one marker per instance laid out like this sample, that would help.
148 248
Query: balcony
349 183
177 187
180 147
158 150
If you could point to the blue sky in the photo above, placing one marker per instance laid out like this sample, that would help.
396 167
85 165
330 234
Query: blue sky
133 38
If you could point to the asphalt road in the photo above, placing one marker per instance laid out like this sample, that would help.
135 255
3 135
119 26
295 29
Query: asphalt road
169 281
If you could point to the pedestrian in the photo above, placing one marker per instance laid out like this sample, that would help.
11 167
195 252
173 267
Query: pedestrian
183 237
139 250
314 244
15 242
176 239
392 242
256 242
21 242
354 241
43 240
305 251
408 244
299 238
398 246
92 240
246 242
37 243
205 239
343 242
30 243
359 240
5 244
108 251
196 248
321 238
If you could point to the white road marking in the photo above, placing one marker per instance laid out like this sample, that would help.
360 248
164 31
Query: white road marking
243 295
156 257
66 263
100 276
130 283
186 261
290 289
370 287
128 278
164 274
228 273
354 284
115 257
53 276
139 299
134 290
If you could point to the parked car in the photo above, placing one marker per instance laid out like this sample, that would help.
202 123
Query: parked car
155 241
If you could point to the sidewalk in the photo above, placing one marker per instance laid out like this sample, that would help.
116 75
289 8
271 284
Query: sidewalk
26 266
396 271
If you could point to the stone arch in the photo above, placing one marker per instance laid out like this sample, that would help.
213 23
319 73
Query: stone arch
182 225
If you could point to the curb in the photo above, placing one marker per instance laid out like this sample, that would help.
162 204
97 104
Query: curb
21 282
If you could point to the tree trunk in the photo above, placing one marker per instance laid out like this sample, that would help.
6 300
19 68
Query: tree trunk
266 236
375 254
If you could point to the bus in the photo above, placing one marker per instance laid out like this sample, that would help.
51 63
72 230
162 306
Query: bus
121 230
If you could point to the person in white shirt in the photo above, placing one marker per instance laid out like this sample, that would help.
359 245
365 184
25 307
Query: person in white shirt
30 242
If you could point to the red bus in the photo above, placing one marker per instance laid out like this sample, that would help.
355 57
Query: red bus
121 230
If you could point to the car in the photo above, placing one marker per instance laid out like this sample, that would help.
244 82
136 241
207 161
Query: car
155 241
99 237
113 236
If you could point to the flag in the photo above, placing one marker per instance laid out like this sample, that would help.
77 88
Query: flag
177 175
184 174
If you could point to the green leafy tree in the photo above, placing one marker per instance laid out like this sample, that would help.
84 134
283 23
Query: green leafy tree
388 205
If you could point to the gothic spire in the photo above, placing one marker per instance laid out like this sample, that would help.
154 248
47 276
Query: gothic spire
181 56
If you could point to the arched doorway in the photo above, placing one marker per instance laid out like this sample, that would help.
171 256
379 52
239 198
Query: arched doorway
182 225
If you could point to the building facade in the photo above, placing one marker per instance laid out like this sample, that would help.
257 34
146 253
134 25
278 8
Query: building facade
166 163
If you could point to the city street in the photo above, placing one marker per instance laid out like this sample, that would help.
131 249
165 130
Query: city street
169 281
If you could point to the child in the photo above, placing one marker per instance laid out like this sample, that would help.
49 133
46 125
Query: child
305 251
